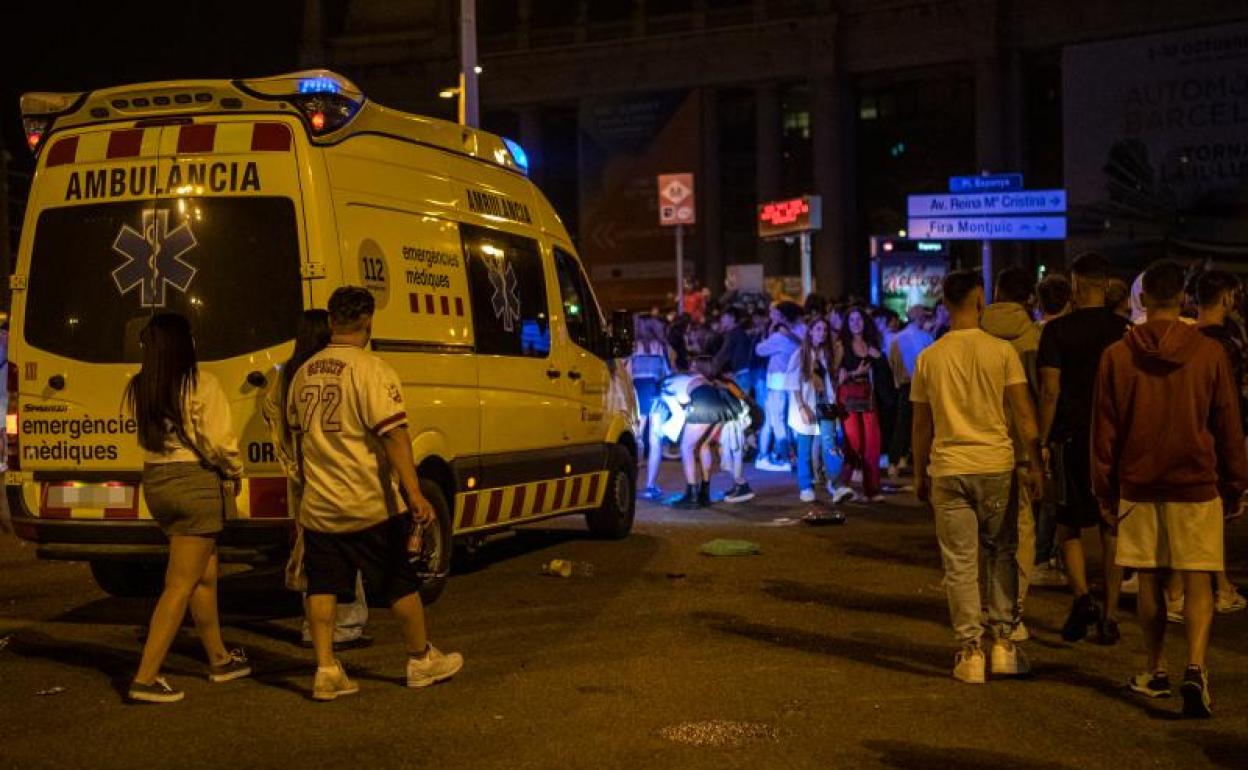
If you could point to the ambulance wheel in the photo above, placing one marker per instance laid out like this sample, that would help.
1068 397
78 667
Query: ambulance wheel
129 580
614 520
437 543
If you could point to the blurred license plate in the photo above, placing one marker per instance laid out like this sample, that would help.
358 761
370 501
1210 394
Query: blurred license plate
98 496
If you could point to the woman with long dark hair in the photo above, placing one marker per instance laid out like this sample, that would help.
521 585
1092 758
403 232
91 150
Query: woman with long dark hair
651 363
191 474
311 336
864 378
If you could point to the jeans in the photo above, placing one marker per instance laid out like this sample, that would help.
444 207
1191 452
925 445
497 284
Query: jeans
1046 531
776 426
976 512
805 448
899 445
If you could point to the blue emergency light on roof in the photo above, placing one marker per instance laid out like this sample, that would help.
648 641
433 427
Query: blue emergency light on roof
517 154
319 86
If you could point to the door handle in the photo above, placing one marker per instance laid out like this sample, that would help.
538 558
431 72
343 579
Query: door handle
554 374
574 374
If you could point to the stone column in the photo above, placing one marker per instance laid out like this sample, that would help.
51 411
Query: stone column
767 148
989 120
312 38
530 120
835 267
524 23
708 190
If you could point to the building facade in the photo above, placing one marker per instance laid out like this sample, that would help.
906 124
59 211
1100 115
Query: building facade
859 101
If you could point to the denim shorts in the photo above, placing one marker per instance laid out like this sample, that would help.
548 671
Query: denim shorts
186 498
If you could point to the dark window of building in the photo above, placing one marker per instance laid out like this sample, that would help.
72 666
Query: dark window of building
508 288
663 7
551 13
737 169
600 11
497 17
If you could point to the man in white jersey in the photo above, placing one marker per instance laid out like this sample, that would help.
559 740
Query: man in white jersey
961 438
361 495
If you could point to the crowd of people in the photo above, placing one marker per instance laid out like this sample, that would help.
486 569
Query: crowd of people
817 390
1068 404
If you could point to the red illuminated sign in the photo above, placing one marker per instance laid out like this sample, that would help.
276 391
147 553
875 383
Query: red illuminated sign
789 217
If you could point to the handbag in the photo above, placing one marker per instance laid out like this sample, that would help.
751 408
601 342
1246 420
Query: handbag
856 396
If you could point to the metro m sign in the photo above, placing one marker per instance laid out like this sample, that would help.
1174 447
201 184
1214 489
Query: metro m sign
789 217
676 201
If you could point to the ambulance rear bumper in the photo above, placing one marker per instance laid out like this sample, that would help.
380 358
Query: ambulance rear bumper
249 542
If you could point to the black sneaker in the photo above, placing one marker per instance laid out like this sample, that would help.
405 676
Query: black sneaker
158 691
1107 632
1083 613
236 668
687 501
1154 685
739 494
1195 692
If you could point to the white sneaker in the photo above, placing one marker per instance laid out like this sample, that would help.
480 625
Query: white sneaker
766 464
332 682
1020 633
1008 659
1131 586
1047 576
433 668
840 494
969 665
1174 611
807 495
1230 601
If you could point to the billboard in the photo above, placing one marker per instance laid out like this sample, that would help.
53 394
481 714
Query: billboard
1156 145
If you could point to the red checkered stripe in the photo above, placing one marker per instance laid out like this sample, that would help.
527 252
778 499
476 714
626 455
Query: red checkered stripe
494 507
190 139
435 304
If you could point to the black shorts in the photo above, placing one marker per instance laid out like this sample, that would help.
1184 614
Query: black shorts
1072 471
330 561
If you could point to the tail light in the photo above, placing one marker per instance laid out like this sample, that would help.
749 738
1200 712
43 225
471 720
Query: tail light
12 450
41 109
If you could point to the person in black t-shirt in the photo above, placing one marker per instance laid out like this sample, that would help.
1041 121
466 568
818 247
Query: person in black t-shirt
1070 352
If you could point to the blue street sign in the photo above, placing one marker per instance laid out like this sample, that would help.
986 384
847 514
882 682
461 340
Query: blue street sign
988 228
986 183
987 204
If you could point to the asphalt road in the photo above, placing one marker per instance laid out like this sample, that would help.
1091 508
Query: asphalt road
831 649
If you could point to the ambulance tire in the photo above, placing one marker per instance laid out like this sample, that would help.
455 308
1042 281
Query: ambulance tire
433 587
614 520
129 579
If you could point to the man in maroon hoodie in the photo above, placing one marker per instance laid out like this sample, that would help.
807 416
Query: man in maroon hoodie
1167 460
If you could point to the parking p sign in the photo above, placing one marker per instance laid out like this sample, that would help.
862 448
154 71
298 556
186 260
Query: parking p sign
676 201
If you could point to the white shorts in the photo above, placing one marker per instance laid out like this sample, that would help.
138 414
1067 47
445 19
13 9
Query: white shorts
1185 536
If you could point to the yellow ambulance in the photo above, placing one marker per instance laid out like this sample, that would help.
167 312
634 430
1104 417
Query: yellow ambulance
241 203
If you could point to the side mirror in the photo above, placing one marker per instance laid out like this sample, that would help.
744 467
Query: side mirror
622 339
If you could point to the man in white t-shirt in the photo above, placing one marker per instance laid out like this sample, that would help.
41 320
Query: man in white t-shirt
346 407
961 387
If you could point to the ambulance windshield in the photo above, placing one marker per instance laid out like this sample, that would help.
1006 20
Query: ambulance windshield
99 271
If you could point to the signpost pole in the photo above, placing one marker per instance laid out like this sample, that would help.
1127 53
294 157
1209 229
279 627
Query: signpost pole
680 269
806 287
986 267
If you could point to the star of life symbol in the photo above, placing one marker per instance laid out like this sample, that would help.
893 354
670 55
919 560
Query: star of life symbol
505 301
154 258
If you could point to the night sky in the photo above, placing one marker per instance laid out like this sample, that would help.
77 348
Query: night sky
78 46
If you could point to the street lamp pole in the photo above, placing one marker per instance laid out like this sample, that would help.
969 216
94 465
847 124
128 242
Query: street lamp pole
468 95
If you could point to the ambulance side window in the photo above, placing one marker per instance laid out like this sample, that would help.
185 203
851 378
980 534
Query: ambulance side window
580 311
508 287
